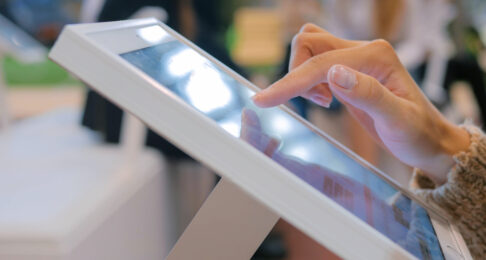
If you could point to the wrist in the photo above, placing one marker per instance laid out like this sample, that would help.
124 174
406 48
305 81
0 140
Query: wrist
455 140
452 140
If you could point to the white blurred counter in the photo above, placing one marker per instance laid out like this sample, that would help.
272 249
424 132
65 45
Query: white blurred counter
65 195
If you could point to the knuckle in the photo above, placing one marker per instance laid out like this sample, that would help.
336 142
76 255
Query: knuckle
308 27
307 40
302 42
299 40
383 45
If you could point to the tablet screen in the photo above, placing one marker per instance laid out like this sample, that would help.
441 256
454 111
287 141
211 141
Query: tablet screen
274 132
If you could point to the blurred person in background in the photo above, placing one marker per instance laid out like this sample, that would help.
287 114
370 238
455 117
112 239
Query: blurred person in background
441 47
463 65
365 19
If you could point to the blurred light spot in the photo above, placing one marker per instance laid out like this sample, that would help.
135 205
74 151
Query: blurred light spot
232 128
281 124
301 152
248 93
152 34
207 91
184 62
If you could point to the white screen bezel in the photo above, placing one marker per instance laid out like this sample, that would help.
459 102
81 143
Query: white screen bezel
106 49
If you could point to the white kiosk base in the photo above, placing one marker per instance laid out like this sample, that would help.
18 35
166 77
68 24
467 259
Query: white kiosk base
233 233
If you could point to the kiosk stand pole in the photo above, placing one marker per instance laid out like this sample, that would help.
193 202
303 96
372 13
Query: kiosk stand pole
132 139
230 225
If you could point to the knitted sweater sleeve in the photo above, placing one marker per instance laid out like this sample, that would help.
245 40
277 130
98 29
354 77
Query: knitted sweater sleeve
463 196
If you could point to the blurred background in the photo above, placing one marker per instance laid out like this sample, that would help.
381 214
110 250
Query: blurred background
65 149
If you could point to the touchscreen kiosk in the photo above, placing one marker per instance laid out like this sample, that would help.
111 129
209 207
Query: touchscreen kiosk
14 41
275 156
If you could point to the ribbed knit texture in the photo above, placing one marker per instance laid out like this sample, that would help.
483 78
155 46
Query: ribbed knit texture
463 196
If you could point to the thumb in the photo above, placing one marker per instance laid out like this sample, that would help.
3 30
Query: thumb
362 91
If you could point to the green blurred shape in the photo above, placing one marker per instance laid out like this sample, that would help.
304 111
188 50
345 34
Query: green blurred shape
45 73
231 38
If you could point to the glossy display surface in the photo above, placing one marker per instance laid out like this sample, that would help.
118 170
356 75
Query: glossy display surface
277 134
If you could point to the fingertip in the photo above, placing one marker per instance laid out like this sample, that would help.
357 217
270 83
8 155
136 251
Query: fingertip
259 100
256 98
279 92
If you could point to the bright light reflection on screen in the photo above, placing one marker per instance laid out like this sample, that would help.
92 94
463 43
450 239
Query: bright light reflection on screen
282 124
178 62
152 34
215 94
300 151
311 158
231 127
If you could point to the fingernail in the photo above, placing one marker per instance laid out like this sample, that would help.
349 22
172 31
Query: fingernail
342 77
321 101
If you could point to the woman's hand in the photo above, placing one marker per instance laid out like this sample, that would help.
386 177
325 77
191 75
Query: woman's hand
368 78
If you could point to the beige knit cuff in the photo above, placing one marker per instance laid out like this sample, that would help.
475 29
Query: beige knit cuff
463 196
